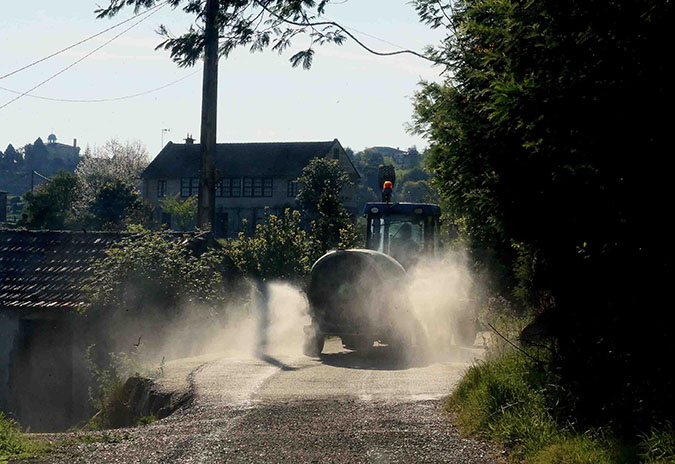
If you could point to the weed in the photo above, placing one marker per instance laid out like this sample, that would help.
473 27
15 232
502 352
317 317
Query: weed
14 444
658 446
145 420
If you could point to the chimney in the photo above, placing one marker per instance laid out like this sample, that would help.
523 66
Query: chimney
189 140
74 143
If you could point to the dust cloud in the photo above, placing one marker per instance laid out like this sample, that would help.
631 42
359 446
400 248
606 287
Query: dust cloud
437 293
441 297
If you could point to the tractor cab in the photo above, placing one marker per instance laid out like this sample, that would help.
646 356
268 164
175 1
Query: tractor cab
404 231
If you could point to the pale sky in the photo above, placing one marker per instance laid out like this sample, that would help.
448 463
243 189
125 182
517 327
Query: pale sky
361 99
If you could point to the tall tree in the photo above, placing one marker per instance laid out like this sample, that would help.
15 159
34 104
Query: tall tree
547 140
320 196
114 161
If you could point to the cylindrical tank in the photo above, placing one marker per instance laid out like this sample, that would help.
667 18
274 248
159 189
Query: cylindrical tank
358 295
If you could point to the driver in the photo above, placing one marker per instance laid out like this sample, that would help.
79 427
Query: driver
403 247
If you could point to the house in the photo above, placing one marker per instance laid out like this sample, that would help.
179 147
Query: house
250 177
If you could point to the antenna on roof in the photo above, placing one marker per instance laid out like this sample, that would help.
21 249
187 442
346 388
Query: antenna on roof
189 140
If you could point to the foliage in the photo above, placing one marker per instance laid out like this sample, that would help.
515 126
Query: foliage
156 271
239 23
114 161
115 202
545 138
13 443
108 393
278 249
511 399
658 446
49 206
183 211
320 189
413 181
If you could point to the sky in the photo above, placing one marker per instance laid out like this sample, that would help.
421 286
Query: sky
361 99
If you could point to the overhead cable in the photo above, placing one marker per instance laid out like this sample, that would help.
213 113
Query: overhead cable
81 41
80 59
101 100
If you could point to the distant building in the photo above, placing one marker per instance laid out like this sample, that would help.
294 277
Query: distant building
250 177
60 151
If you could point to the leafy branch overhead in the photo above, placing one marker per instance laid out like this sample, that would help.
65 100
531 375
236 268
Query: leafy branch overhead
256 24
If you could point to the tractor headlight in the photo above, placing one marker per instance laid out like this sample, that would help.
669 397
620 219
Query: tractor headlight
418 211
374 210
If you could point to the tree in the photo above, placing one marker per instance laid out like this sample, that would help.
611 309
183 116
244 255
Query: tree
114 204
320 189
278 249
184 211
49 206
114 161
534 137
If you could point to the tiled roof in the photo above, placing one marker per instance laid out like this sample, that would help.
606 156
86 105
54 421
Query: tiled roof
46 269
238 159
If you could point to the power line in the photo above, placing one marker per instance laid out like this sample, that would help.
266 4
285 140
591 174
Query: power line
81 41
79 60
101 100
369 35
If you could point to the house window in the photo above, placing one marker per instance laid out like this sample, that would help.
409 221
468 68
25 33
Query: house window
236 187
258 186
267 187
228 187
189 186
292 189
248 186
161 188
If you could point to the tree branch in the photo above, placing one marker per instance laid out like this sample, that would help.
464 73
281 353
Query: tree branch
334 24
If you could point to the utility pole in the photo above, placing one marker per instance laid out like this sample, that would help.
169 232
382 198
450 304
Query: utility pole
207 177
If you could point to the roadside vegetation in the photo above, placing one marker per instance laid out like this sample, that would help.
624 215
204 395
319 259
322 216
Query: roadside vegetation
543 141
14 444
513 401
17 445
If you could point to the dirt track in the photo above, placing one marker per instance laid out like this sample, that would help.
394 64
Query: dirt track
340 408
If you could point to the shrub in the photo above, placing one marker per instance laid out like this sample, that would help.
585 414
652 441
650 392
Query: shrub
278 249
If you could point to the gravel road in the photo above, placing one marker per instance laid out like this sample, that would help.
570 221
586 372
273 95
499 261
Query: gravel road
342 407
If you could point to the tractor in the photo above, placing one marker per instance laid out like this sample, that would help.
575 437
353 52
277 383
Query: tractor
359 294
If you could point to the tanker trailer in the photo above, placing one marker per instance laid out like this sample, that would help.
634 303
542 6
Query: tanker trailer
358 294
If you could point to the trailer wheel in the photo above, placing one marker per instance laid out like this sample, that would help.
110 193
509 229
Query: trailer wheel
313 345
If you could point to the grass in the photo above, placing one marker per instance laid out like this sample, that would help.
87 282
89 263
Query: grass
14 444
510 400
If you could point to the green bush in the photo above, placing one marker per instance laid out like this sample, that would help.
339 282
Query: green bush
149 271
278 249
